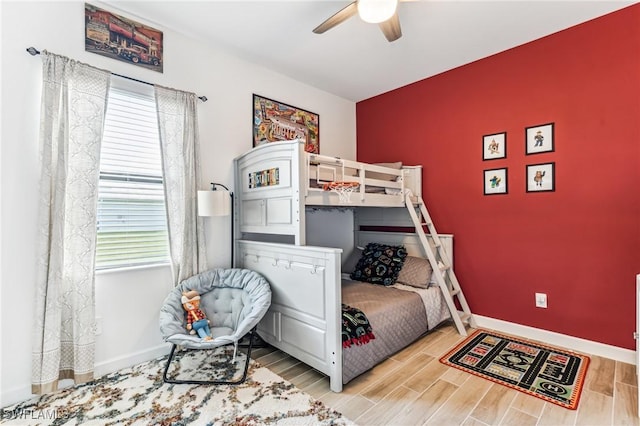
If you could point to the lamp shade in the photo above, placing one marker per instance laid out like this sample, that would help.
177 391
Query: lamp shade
214 203
376 11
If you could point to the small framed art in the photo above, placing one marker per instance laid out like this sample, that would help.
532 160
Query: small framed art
541 177
494 146
495 181
539 139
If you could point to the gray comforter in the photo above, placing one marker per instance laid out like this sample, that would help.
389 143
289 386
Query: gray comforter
397 317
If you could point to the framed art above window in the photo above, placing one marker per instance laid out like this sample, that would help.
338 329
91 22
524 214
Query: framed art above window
539 139
495 181
117 37
494 146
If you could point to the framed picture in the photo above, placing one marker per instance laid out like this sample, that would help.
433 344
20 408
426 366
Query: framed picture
274 121
494 146
495 181
117 37
541 177
539 139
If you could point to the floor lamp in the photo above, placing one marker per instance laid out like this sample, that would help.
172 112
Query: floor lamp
217 202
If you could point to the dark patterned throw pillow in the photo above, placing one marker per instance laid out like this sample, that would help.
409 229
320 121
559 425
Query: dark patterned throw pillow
379 264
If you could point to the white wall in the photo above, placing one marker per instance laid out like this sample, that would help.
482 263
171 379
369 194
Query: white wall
127 301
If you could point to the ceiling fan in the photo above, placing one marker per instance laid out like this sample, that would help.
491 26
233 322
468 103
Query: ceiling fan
381 12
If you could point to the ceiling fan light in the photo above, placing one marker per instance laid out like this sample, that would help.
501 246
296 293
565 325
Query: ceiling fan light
376 11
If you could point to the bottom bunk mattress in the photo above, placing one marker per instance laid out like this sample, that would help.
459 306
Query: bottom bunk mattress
398 315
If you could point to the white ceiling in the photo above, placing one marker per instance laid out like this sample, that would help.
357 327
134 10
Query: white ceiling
354 60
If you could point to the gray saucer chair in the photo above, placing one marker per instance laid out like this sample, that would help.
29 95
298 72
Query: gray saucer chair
234 300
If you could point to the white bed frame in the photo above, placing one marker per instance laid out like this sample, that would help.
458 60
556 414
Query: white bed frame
274 184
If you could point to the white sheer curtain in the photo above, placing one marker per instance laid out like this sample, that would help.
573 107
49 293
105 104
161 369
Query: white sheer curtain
178 124
74 99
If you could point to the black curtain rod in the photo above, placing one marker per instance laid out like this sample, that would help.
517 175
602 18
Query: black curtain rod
33 52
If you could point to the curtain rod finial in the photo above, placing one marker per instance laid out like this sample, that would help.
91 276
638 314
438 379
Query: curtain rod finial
33 51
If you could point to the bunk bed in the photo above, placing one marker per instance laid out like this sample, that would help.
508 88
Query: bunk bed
275 181
276 185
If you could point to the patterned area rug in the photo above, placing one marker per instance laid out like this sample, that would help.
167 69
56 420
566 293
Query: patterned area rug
546 372
138 396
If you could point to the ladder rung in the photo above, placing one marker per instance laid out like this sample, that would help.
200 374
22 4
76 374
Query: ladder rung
464 316
454 292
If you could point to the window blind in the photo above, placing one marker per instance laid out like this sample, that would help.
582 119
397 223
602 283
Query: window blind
132 222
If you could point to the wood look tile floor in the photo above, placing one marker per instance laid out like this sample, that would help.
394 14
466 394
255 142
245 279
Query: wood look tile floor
412 387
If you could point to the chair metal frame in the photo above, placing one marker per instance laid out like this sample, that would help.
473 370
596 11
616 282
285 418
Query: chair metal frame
249 346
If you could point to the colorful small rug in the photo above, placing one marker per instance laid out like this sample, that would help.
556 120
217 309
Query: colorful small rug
543 371
138 396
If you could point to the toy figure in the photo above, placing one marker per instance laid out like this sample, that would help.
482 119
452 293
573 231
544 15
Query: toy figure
197 321
538 138
494 147
538 177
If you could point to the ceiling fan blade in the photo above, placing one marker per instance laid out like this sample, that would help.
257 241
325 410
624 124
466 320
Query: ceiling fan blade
391 28
339 17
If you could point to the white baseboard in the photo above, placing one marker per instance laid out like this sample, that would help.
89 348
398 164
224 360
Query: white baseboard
556 339
15 395
22 393
115 364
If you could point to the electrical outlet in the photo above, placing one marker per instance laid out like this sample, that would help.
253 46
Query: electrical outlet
541 300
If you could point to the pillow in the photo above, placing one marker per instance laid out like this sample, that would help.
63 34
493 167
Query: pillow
416 272
379 264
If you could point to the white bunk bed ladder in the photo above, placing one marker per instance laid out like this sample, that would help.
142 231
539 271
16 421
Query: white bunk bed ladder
439 261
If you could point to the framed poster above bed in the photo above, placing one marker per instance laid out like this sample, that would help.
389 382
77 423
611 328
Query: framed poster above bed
274 121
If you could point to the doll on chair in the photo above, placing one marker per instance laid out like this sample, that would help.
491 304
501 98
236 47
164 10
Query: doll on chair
197 321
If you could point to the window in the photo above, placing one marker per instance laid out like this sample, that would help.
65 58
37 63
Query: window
132 220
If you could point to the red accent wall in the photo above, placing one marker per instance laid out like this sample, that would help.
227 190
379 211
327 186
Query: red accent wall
579 244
